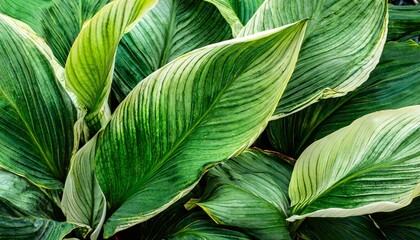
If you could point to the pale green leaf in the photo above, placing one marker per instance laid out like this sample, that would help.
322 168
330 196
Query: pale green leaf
394 83
250 192
403 224
83 202
37 116
404 21
26 212
57 21
90 63
186 116
237 12
170 29
372 165
342 45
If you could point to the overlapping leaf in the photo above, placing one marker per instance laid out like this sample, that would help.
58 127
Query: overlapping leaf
237 12
369 166
169 30
250 192
26 212
37 116
404 22
197 110
402 224
395 83
342 45
90 64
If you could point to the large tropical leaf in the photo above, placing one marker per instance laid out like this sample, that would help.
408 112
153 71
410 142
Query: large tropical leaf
198 110
361 227
26 212
90 63
169 30
57 21
37 116
394 83
342 45
403 224
250 192
237 12
369 166
404 21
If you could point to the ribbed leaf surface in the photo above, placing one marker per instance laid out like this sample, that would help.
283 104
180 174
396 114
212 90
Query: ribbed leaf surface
169 30
403 224
199 109
342 45
26 212
394 83
250 192
237 12
404 21
90 64
37 116
350 228
369 166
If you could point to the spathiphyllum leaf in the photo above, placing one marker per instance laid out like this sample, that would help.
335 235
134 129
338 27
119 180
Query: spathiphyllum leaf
404 22
342 45
200 109
394 83
58 22
372 165
250 192
360 227
37 116
170 29
402 224
90 63
26 212
237 12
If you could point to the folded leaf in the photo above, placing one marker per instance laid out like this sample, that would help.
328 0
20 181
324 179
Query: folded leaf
169 30
369 166
26 212
404 21
394 83
250 192
90 63
37 116
57 21
237 12
402 224
196 111
342 45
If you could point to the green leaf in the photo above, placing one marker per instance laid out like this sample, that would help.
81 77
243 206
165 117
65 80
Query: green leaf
339 228
342 46
186 116
394 83
250 192
90 63
57 21
169 30
26 212
369 166
177 223
404 21
237 12
83 202
403 224
37 116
